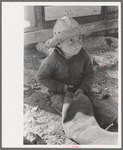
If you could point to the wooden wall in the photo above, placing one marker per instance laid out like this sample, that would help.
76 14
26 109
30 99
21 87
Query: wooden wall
54 13
39 20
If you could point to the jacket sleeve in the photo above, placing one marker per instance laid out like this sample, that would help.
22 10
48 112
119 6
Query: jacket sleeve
45 76
89 74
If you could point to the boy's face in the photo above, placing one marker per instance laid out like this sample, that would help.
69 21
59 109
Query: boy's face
72 45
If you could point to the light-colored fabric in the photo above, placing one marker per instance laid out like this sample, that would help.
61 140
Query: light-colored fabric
57 101
105 110
64 28
80 124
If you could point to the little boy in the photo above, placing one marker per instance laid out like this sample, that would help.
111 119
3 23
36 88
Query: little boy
69 66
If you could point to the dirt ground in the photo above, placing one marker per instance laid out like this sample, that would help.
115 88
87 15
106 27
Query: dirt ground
39 115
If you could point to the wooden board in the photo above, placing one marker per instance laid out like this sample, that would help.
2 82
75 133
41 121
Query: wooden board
56 12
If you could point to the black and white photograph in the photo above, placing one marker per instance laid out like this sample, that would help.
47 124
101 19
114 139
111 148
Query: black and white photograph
70 75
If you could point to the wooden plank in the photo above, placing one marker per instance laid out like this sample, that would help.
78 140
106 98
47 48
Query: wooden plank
55 12
87 29
30 29
37 36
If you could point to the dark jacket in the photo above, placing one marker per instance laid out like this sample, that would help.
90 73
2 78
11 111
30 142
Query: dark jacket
55 71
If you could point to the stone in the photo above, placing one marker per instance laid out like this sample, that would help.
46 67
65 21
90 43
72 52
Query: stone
35 138
95 90
33 109
106 59
36 99
44 89
96 44
110 58
43 50
53 141
98 60
69 142
26 141
27 91
112 42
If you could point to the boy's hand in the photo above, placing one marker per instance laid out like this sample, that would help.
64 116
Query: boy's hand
79 91
66 88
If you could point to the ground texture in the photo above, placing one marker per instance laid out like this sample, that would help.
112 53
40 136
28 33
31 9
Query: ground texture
42 123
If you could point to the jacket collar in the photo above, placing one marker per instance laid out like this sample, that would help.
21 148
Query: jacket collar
60 55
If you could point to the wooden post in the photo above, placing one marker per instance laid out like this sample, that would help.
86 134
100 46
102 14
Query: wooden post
38 16
103 12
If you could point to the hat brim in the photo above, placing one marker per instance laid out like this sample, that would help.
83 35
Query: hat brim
51 43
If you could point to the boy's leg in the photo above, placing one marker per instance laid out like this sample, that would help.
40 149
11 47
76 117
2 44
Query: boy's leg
105 110
56 98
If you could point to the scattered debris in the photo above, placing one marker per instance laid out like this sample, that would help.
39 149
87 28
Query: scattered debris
39 116
32 138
